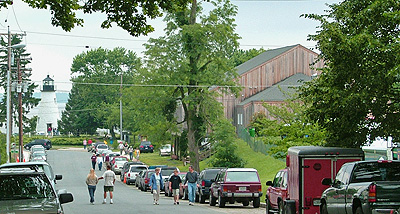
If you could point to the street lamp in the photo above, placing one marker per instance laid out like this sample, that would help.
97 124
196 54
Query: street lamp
9 48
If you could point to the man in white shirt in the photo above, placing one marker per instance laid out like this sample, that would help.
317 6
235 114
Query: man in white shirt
109 181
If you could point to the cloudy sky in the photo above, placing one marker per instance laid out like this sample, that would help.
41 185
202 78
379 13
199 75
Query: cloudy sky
261 23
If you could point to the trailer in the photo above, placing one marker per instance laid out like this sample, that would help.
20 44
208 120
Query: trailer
307 166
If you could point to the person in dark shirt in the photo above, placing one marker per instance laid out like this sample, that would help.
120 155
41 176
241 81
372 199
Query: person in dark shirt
94 159
175 183
191 179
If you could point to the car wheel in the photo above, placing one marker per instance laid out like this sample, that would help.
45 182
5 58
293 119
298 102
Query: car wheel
359 210
221 201
196 198
268 206
202 199
212 200
256 202
324 209
281 208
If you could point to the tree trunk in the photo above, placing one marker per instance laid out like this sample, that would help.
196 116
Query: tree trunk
192 145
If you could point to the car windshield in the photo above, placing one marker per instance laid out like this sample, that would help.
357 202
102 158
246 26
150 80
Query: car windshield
145 143
210 174
376 171
138 168
242 176
166 147
167 172
38 154
102 146
120 159
19 187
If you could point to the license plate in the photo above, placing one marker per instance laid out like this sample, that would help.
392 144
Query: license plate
242 188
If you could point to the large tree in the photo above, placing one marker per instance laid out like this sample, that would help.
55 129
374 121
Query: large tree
356 97
131 16
192 58
28 101
96 89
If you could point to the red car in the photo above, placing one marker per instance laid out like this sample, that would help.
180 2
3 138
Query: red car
277 192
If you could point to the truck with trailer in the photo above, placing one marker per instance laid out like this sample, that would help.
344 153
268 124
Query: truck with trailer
307 166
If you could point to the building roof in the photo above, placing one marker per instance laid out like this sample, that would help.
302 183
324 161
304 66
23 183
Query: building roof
48 78
262 58
276 92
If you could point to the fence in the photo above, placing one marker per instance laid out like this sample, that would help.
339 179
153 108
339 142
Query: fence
256 144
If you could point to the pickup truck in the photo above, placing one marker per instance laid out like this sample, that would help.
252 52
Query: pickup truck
363 187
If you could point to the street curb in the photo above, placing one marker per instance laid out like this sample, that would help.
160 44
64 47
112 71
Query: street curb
263 205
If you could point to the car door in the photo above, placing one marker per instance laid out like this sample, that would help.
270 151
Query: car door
336 193
274 190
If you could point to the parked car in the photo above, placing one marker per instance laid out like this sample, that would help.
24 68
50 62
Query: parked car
157 166
43 166
145 181
165 150
92 148
167 191
236 184
23 190
139 178
35 148
118 163
133 173
101 148
277 192
120 158
126 166
145 146
43 142
204 182
39 154
363 187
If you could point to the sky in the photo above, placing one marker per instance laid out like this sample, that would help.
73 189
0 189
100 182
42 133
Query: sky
260 23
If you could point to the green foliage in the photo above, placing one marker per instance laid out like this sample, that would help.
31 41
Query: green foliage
28 101
226 154
60 141
356 95
3 152
241 56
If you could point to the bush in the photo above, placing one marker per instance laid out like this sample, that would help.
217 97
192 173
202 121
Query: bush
61 140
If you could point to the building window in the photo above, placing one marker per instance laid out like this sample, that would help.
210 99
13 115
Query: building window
240 119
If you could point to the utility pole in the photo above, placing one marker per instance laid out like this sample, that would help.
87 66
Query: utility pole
120 106
19 90
8 141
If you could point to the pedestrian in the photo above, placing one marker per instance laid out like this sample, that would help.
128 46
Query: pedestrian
109 181
191 180
130 150
175 183
90 145
99 161
84 144
107 160
156 184
126 148
94 160
91 181
121 148
137 153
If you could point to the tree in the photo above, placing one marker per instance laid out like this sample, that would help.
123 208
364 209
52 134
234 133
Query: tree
356 97
241 56
28 101
96 89
131 16
199 61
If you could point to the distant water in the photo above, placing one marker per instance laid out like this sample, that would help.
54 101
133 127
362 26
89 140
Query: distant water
61 97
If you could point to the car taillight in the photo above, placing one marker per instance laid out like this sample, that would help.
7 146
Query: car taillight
372 193
151 146
225 189
115 166
146 180
203 183
141 146
260 189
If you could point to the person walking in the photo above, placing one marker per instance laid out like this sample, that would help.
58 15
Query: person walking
107 160
91 181
156 184
191 179
175 183
126 146
130 150
94 159
84 144
121 148
99 161
109 181
137 153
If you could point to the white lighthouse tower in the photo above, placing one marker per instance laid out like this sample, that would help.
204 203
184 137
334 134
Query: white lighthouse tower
48 113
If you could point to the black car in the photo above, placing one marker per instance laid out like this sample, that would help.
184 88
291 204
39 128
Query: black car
145 146
43 142
29 191
203 191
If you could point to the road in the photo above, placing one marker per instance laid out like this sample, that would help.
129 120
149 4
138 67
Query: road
74 167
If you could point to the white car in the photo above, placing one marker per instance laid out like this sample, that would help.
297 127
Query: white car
133 173
165 150
117 167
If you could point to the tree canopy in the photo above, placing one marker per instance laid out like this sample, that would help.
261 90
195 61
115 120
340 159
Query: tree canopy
356 96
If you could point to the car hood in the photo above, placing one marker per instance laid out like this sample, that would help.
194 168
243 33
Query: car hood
46 205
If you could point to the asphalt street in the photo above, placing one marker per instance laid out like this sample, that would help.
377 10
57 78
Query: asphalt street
74 167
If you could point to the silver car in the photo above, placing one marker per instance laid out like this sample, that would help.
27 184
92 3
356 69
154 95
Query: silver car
117 167
133 173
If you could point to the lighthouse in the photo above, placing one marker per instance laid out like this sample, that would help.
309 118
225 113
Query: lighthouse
48 113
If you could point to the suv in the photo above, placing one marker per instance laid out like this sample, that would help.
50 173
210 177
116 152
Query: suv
133 173
27 190
43 142
145 180
204 182
236 184
126 166
145 146
277 192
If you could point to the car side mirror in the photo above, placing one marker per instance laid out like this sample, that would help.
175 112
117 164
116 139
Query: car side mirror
326 182
58 177
66 198
268 183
